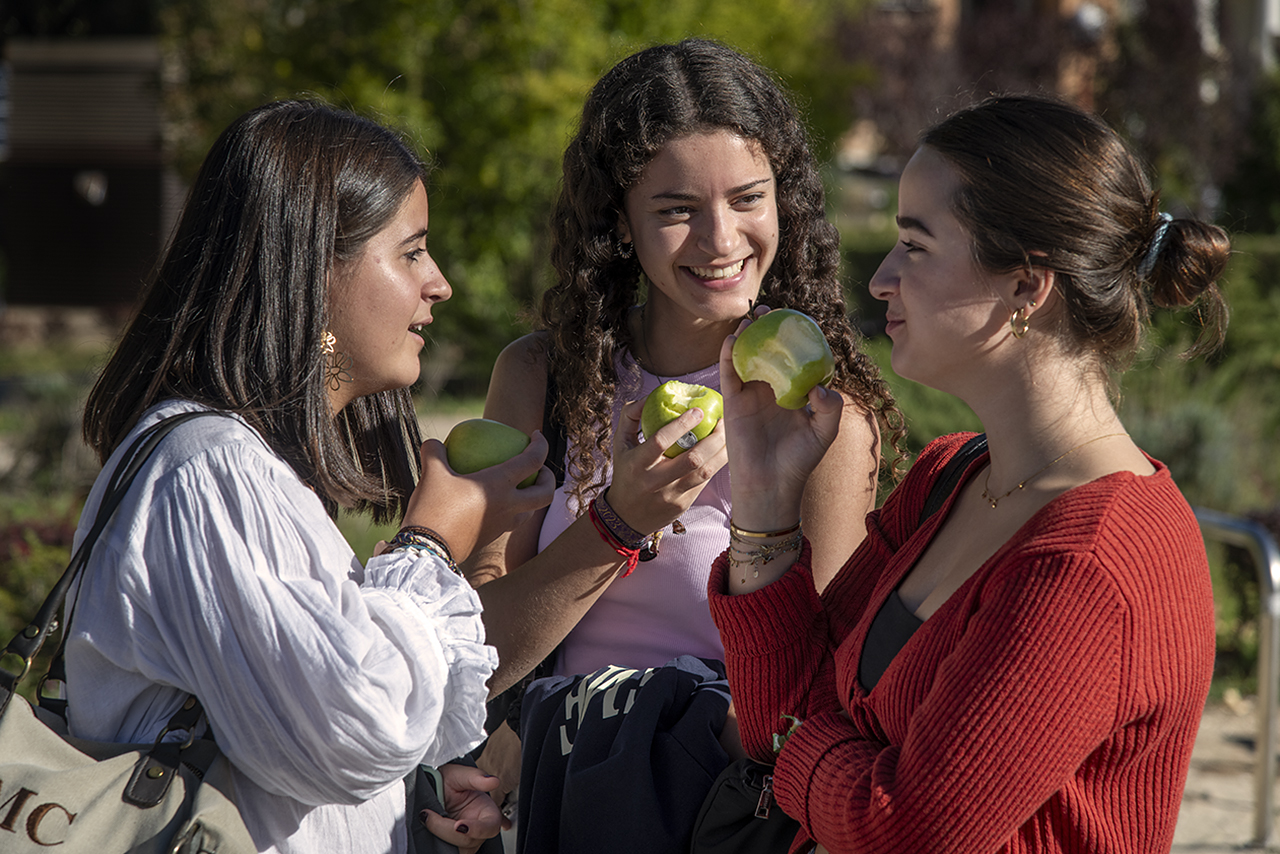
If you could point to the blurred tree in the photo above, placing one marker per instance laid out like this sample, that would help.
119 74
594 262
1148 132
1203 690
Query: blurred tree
1168 89
492 89
1253 194
1156 71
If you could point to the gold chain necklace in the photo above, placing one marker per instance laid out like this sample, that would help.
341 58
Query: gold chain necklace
994 499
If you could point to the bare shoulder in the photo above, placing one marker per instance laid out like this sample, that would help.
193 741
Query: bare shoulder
518 384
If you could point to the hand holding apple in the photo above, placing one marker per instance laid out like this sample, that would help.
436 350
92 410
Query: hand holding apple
668 401
469 510
773 449
786 349
649 489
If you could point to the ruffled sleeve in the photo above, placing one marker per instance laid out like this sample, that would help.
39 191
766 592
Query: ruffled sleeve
454 607
222 576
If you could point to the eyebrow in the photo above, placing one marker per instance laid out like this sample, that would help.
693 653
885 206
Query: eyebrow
690 197
415 237
910 223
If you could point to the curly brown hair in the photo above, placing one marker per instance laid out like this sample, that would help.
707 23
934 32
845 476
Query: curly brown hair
646 100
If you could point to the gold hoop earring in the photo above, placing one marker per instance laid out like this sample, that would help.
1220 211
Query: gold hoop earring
625 249
336 365
1020 323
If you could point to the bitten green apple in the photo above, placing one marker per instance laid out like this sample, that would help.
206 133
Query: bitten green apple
786 349
479 443
668 402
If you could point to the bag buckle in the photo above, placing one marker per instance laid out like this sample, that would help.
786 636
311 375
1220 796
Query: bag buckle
159 765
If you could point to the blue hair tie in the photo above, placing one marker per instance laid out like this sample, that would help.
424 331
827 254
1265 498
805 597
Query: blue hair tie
1157 244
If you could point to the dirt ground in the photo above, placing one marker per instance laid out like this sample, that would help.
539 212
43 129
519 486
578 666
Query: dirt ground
1218 806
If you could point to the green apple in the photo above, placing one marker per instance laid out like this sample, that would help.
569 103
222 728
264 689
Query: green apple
668 402
479 443
786 349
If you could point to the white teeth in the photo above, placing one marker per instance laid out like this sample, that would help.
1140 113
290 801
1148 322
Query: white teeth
718 272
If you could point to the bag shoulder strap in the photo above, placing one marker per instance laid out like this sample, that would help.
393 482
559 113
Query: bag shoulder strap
26 644
951 474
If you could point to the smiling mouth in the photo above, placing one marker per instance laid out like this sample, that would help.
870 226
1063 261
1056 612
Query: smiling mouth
718 272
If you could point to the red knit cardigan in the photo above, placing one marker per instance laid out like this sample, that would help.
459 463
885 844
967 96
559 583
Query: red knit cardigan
1050 705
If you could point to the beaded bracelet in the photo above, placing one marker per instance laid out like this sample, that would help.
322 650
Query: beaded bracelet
430 534
419 539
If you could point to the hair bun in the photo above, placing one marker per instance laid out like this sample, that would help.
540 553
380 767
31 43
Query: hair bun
1187 264
1185 273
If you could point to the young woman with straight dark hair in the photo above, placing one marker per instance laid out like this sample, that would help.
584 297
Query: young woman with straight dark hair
1024 669
292 302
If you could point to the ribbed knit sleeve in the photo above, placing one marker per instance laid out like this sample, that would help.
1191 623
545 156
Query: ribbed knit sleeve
1049 705
785 628
779 629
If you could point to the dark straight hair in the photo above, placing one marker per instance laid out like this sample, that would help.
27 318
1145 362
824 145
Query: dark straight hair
233 316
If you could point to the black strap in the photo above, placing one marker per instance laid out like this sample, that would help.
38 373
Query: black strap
26 644
951 474
156 769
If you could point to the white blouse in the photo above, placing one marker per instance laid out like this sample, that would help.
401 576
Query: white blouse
325 681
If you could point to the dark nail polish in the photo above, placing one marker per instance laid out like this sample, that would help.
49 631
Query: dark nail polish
463 829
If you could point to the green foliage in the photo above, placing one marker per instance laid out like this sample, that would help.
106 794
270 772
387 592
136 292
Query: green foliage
1213 421
1252 195
492 89
35 546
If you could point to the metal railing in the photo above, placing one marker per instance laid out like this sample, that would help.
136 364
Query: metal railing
1261 546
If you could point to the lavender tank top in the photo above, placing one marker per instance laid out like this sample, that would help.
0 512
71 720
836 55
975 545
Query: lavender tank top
660 611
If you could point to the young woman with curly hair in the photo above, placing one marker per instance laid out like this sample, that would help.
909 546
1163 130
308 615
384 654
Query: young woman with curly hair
690 196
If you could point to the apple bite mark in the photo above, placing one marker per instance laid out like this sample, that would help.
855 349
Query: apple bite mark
672 399
786 349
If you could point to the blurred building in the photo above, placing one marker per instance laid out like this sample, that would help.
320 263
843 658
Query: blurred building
86 195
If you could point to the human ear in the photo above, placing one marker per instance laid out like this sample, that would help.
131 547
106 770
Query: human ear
1034 286
624 229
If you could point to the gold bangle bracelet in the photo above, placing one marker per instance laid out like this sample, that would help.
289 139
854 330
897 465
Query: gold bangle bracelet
762 535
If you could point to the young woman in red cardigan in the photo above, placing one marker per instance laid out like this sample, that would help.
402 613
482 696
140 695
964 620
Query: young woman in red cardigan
1025 669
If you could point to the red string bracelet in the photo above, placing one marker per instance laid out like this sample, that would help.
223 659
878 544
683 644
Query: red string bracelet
632 555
